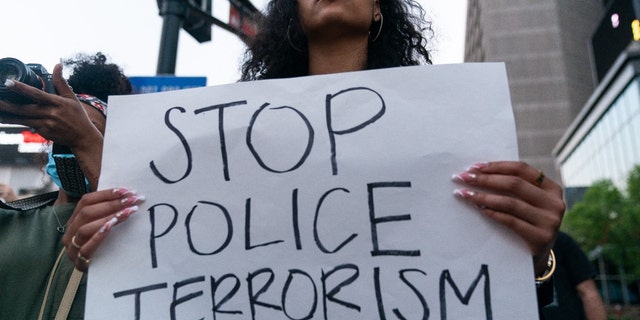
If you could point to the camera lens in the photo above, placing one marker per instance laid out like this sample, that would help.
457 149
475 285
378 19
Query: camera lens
14 69
9 71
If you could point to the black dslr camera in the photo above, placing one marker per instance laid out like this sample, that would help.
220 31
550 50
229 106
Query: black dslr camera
33 74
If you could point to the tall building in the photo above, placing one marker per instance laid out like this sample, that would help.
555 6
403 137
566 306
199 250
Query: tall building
603 142
545 45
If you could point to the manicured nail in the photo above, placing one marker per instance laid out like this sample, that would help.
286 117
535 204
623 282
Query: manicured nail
123 191
478 166
125 213
464 177
464 193
9 83
107 226
133 200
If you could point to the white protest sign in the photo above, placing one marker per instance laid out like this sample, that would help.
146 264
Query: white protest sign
326 197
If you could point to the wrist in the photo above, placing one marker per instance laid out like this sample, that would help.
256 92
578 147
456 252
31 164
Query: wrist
88 142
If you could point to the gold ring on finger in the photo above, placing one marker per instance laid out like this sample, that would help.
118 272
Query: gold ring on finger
83 259
538 181
74 244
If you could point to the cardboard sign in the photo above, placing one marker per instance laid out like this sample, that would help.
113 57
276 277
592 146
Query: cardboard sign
326 197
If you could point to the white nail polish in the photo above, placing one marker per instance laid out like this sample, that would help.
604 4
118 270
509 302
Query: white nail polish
107 226
9 83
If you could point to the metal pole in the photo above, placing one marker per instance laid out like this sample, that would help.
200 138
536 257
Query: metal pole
623 284
173 13
603 279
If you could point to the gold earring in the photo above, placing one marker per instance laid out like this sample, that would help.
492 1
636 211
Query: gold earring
379 29
289 38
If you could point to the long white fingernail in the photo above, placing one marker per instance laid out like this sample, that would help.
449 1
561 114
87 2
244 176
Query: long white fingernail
478 166
107 226
464 193
9 83
125 213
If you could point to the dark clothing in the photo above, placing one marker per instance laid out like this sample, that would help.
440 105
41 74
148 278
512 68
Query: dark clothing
572 268
29 246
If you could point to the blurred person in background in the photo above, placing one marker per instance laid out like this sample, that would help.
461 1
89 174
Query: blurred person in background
6 193
577 293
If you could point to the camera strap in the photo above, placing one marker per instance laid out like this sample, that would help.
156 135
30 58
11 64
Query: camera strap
67 173
32 202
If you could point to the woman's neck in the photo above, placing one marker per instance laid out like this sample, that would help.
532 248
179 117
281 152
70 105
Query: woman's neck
64 198
335 56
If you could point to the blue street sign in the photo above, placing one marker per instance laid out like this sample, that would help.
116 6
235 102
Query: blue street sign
165 83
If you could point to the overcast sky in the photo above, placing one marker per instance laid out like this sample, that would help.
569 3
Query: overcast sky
128 31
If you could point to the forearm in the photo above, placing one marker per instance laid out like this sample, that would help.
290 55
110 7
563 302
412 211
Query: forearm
592 302
88 152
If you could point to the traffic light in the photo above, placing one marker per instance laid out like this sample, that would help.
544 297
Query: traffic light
195 24
242 17
194 16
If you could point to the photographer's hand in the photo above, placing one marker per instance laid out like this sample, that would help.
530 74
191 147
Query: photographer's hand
60 118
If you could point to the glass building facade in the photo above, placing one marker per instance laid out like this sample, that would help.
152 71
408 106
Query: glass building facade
604 140
612 146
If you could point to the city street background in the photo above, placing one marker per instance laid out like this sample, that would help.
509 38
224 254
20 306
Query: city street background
44 31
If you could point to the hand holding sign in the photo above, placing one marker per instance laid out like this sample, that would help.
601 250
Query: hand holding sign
530 207
93 217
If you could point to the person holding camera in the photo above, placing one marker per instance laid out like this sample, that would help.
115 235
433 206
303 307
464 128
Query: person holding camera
35 271
60 118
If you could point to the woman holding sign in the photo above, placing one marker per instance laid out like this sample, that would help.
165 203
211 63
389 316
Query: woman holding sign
312 37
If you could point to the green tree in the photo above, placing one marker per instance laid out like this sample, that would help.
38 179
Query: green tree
610 219
591 220
627 232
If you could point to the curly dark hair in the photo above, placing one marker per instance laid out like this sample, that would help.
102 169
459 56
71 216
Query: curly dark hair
271 53
91 74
